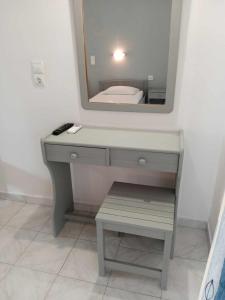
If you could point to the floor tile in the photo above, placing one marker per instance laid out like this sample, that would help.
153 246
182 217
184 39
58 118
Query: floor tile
82 262
4 269
46 253
33 252
31 217
135 283
191 244
142 243
8 209
139 257
71 289
115 294
70 229
184 280
24 284
89 233
13 243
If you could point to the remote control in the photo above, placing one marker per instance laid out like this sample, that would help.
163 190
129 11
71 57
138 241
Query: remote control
62 128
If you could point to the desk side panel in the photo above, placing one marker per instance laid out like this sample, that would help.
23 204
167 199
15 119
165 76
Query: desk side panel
62 190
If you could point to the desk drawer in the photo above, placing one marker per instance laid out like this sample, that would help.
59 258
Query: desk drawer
163 162
96 156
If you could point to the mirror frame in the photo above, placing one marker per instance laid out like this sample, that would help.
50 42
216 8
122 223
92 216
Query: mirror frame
77 6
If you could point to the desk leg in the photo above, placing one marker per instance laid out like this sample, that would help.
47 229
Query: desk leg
62 191
173 241
174 231
178 180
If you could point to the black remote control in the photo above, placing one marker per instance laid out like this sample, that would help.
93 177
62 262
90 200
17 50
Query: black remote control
62 128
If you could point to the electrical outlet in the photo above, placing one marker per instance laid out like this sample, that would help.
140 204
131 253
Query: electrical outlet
150 77
37 67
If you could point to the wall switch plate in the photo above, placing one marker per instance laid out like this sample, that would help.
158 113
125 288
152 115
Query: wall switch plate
37 67
39 80
93 60
150 77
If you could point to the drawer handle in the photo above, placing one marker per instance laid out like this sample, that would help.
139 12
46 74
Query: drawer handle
74 156
142 161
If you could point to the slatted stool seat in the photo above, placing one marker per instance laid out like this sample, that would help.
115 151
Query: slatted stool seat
139 210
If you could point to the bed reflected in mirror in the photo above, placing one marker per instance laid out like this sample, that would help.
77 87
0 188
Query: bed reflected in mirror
121 91
127 53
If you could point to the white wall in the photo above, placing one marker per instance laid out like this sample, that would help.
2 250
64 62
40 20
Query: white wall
202 112
42 29
31 30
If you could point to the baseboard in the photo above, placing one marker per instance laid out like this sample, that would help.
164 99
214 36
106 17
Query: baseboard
209 233
196 224
192 223
86 207
47 201
80 206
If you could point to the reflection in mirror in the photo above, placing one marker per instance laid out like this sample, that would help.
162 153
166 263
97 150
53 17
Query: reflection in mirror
127 46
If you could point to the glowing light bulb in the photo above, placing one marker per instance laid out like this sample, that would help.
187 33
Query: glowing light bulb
119 55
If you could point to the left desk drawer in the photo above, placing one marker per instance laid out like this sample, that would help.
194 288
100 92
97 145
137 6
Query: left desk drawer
60 153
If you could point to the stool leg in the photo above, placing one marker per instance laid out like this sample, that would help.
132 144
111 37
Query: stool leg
166 260
173 245
101 248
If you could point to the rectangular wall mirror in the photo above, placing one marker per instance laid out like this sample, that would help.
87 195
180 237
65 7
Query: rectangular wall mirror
127 53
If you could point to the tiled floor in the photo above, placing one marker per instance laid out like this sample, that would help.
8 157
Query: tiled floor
36 266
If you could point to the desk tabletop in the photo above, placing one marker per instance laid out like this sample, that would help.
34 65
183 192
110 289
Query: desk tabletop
157 141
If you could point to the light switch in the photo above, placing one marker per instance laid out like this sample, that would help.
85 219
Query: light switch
37 67
93 60
38 73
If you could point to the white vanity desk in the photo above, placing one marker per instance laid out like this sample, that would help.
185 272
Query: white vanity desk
154 151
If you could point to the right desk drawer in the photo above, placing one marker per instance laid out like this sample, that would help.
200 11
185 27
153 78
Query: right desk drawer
156 161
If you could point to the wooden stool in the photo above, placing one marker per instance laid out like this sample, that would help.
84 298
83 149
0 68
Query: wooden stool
140 210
